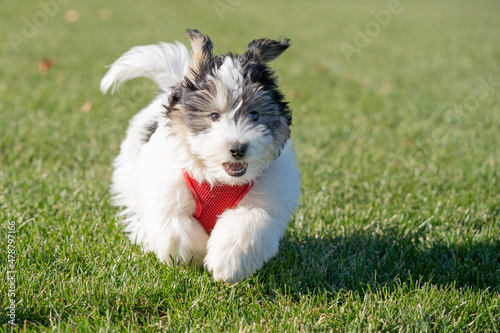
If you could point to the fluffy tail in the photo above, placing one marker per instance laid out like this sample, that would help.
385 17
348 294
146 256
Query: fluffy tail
166 64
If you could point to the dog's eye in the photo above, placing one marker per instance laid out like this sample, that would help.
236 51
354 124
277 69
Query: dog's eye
254 116
214 116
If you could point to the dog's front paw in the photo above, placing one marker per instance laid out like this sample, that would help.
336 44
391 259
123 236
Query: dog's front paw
233 260
232 266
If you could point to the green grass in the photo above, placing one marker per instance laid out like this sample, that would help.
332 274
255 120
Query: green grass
399 223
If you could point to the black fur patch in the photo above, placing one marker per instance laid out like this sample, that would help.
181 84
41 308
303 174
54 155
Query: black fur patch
149 131
265 50
262 75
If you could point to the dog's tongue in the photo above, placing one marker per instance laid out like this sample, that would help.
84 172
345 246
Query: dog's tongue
235 169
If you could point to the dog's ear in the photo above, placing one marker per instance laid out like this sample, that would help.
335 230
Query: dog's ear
202 51
265 50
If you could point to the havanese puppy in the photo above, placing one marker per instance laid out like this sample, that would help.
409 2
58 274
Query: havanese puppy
207 174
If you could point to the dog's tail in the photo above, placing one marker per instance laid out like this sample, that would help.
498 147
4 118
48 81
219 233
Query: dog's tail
166 64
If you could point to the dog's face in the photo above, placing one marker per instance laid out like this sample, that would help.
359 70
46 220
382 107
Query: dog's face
230 111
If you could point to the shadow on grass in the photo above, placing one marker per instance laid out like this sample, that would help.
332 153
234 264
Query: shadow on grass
359 262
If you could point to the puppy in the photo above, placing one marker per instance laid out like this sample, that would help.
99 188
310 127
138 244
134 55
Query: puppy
207 174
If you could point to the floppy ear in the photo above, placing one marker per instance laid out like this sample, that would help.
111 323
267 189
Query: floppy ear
202 51
265 50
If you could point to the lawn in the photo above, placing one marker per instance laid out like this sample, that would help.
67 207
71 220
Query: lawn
397 132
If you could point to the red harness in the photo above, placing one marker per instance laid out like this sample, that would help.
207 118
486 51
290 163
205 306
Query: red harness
211 201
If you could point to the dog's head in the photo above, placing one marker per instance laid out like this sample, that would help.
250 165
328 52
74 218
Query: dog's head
230 111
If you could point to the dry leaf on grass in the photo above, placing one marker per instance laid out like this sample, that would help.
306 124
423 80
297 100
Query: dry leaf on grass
87 106
45 65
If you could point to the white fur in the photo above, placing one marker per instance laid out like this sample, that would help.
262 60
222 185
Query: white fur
166 64
159 206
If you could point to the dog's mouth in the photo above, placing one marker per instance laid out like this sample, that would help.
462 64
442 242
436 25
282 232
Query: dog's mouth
235 169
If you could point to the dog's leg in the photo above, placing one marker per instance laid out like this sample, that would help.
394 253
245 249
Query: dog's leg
242 241
164 202
177 238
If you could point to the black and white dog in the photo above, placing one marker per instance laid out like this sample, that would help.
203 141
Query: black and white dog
207 173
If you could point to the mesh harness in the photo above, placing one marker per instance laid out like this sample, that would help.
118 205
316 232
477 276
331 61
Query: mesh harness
212 201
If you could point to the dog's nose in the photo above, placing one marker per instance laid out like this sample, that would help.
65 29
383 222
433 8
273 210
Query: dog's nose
238 150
